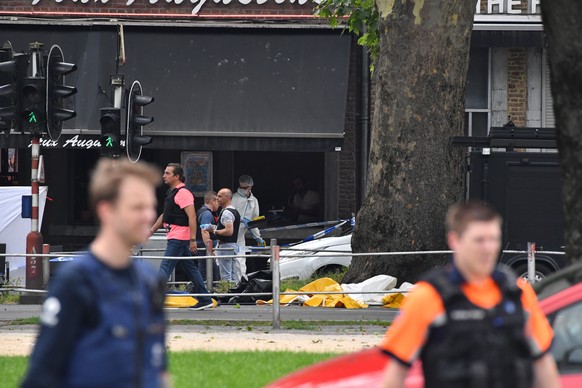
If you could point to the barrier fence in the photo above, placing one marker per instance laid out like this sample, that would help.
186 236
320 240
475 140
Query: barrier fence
274 255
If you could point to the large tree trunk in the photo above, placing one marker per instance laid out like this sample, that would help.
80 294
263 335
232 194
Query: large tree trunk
563 25
414 173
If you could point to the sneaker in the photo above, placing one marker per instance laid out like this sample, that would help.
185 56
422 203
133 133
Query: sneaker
201 307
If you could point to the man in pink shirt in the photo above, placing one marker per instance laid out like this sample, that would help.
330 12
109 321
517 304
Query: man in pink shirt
179 219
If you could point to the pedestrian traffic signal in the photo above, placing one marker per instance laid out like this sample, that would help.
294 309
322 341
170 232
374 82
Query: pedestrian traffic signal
12 67
135 138
32 95
110 132
57 91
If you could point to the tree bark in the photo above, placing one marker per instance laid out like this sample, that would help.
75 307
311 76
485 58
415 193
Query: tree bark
562 23
414 174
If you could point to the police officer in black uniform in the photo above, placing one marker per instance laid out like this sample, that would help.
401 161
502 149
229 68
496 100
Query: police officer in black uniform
102 323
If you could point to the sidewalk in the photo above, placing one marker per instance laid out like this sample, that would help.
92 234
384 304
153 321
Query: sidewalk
19 340
318 337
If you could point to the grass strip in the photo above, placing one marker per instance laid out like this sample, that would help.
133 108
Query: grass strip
206 369
289 325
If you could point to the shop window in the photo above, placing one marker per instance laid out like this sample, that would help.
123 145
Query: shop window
477 93
275 173
8 166
548 118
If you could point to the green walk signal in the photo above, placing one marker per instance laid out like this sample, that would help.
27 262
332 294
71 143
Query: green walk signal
109 142
32 118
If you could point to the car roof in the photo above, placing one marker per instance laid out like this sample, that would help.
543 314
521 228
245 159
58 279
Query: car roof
559 281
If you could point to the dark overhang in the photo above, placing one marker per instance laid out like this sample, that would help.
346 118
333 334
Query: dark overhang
218 88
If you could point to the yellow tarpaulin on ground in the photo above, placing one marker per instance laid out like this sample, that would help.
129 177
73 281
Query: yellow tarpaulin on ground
182 301
324 300
392 300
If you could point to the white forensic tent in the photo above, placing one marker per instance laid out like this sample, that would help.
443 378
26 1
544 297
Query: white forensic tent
14 228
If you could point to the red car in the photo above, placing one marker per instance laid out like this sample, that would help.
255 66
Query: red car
560 298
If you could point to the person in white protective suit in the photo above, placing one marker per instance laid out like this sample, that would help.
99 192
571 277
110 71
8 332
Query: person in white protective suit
248 207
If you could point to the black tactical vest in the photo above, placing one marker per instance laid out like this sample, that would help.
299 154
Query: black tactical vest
236 224
173 215
476 347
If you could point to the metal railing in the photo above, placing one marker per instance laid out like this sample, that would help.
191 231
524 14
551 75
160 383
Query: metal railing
274 256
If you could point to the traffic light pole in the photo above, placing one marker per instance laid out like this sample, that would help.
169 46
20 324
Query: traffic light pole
34 240
117 85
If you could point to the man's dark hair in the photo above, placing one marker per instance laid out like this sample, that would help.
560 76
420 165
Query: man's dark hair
178 170
462 214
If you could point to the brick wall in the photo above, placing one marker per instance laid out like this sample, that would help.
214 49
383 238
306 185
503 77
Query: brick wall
517 85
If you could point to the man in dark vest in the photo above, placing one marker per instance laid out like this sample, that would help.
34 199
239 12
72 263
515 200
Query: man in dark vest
102 323
179 219
227 233
473 324
205 240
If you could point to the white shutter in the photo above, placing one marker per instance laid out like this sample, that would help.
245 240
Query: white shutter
548 118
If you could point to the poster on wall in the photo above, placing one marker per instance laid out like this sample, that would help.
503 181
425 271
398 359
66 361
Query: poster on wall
197 171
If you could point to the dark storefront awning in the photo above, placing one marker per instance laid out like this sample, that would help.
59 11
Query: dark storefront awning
508 31
221 88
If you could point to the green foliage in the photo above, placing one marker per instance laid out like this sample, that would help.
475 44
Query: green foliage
361 17
222 287
7 297
206 369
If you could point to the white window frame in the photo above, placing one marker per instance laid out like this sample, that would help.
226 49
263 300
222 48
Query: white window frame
548 119
484 110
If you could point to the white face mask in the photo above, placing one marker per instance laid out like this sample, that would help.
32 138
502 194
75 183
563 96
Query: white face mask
245 192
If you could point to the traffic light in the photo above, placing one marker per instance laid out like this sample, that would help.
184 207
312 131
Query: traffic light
57 91
32 98
135 138
110 132
12 67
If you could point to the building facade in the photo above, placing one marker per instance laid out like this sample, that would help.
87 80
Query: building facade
258 87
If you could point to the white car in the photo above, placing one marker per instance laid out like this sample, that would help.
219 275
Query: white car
301 261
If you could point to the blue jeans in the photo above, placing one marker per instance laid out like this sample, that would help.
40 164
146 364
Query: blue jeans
181 248
227 266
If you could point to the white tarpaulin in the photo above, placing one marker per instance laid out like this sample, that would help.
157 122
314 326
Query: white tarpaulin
378 282
14 228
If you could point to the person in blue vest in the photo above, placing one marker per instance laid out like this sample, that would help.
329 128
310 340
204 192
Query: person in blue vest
102 323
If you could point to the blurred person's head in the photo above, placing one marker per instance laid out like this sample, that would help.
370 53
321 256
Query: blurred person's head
122 195
245 185
173 175
299 185
211 201
474 234
224 197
